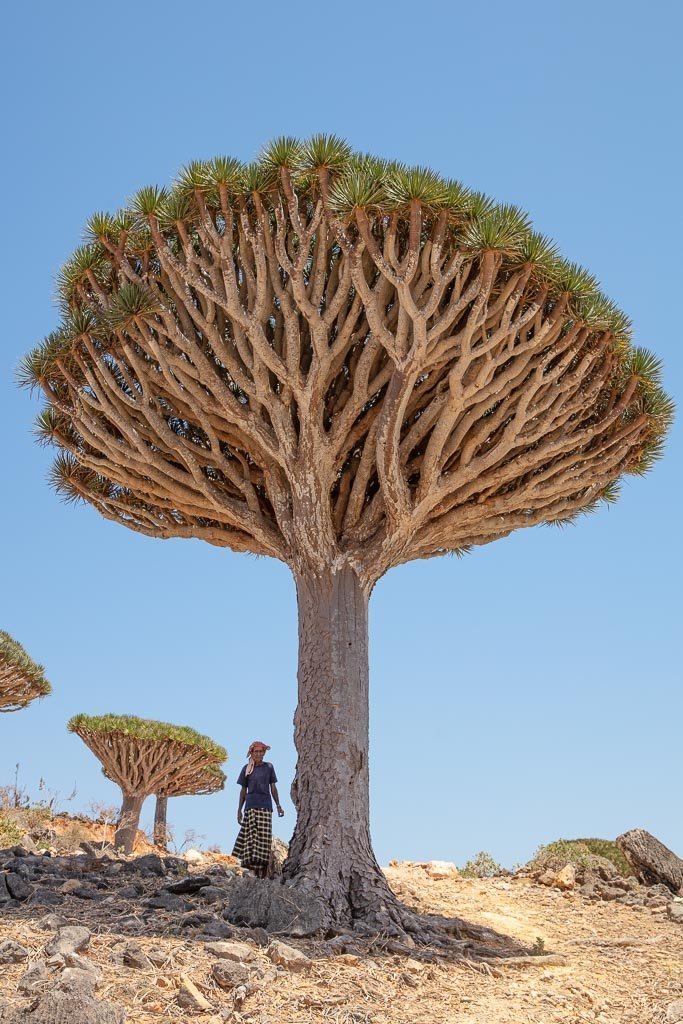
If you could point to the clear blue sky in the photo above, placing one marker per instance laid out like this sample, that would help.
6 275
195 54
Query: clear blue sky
529 691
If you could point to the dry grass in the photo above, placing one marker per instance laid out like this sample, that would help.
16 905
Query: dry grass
596 979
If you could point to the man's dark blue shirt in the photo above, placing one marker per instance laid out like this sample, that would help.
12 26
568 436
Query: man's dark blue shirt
258 785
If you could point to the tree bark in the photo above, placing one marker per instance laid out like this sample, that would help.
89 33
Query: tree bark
160 828
330 854
127 825
653 862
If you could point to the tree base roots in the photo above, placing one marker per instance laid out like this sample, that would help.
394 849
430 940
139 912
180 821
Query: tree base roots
378 922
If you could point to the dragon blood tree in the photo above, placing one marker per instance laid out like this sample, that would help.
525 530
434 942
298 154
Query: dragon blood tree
206 779
144 757
345 364
21 679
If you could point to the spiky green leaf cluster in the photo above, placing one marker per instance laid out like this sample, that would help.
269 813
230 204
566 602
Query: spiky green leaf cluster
322 168
147 729
355 182
13 655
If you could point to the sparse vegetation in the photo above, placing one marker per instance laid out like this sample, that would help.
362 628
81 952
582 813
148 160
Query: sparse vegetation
582 853
10 833
481 866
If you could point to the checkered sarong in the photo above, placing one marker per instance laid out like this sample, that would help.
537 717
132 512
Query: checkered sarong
255 838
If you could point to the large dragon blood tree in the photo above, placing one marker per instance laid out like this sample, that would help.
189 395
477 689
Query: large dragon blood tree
343 363
21 679
205 779
144 757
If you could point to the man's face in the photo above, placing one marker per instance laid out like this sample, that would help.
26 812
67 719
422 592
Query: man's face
257 754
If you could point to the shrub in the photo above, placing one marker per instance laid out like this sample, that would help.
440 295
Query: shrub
482 866
10 833
582 853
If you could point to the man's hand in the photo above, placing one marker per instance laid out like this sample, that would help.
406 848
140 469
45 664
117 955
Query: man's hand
239 817
280 812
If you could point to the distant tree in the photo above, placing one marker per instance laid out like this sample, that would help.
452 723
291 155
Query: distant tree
21 679
343 363
207 779
144 757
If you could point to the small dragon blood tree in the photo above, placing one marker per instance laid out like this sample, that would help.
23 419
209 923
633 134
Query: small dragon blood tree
343 363
144 757
206 779
21 679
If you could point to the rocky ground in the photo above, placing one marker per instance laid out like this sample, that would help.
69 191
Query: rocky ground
154 938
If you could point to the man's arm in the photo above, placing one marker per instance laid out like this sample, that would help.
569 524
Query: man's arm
243 797
276 798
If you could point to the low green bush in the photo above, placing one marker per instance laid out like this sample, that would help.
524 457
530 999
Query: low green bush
10 833
481 866
582 853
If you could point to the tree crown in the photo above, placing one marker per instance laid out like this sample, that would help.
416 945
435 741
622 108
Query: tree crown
21 678
147 729
324 354
209 779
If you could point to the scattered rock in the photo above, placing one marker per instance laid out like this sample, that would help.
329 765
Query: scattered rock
258 935
76 981
12 953
349 958
240 994
34 979
70 939
438 869
674 1012
190 998
194 857
197 919
237 951
149 863
212 894
133 956
70 885
188 885
158 957
287 956
130 892
80 963
218 930
566 878
51 922
229 974
674 911
47 898
167 901
604 891
17 887
87 892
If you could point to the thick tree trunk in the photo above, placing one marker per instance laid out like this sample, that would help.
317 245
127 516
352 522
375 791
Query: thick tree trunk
160 827
330 854
127 825
653 862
